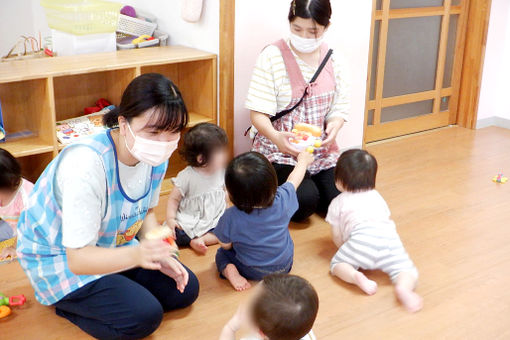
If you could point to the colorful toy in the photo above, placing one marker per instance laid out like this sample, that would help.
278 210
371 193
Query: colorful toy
164 233
499 178
7 302
307 137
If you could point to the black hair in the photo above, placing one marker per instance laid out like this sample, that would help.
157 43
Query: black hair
317 10
151 91
202 140
10 171
251 181
356 170
286 308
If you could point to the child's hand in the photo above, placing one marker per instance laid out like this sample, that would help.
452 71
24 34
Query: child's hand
305 158
152 252
239 318
172 223
174 269
8 252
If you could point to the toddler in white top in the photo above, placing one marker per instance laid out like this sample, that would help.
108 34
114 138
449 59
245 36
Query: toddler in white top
364 232
198 199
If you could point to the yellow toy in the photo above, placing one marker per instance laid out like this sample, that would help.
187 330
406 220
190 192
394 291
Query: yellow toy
164 233
307 137
499 178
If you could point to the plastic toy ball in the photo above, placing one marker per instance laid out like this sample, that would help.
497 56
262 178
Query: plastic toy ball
307 137
499 178
4 311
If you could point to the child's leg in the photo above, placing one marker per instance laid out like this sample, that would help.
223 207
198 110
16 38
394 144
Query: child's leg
200 244
347 273
405 284
226 264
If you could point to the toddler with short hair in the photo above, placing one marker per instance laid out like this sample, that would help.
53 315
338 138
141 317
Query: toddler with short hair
282 307
366 235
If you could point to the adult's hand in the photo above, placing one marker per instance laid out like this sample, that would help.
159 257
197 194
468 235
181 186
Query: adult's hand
281 140
174 269
333 126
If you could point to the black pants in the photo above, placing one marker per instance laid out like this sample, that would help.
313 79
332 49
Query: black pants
128 305
315 192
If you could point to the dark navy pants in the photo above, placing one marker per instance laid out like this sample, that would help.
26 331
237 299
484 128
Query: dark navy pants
128 305
225 257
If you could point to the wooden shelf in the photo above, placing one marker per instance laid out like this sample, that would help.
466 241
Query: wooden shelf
27 146
36 93
61 66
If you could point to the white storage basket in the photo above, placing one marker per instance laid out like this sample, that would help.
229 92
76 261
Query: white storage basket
134 26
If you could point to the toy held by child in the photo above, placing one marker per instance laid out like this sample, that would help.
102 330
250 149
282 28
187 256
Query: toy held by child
14 191
198 199
282 307
364 232
254 233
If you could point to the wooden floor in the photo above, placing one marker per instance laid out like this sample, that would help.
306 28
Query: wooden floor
454 221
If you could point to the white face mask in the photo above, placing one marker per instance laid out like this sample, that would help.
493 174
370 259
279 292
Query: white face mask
304 45
150 151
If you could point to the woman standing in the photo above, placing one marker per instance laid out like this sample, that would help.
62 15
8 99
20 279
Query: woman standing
281 76
77 237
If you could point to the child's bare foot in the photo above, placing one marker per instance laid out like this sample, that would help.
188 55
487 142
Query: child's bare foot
236 280
198 245
411 301
366 285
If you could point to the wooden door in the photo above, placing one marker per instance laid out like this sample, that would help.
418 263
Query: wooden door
415 63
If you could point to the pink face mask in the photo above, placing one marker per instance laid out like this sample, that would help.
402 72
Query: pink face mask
150 151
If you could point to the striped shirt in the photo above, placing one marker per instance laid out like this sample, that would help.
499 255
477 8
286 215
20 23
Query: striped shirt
270 91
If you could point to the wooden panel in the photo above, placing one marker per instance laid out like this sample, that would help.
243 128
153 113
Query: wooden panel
410 98
75 92
32 166
197 82
381 60
406 126
417 12
227 32
59 66
441 59
369 72
472 67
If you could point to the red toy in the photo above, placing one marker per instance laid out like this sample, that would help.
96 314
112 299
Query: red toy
7 302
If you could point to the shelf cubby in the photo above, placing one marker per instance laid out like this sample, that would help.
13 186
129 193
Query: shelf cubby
37 93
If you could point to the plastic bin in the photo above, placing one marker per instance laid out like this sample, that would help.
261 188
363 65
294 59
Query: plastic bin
135 26
69 44
82 16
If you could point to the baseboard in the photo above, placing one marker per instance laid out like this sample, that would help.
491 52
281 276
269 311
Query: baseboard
493 121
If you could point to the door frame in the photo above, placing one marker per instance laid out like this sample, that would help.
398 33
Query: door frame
226 69
467 73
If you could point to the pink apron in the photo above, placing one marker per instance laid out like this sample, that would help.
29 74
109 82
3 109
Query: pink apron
313 110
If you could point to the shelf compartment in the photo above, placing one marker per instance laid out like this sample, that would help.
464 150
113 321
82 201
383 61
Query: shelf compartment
73 93
32 166
196 81
27 108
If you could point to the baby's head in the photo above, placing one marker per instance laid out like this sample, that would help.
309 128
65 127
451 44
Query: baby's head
10 177
356 171
205 145
284 307
251 182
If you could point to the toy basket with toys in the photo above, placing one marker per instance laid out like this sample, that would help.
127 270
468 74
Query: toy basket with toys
307 137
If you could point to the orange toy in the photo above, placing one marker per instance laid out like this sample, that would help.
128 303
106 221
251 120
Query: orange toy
163 233
307 137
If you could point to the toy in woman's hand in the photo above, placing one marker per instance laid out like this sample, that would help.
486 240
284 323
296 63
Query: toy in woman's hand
499 178
307 137
7 302
164 233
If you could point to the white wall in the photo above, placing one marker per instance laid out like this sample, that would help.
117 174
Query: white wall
262 22
493 105
16 19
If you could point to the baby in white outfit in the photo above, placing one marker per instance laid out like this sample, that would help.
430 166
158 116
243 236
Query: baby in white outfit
198 199
364 232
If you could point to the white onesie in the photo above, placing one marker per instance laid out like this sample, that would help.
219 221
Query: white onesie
370 239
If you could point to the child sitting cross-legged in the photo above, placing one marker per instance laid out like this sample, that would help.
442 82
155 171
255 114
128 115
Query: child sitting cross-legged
364 232
282 307
254 233
198 198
